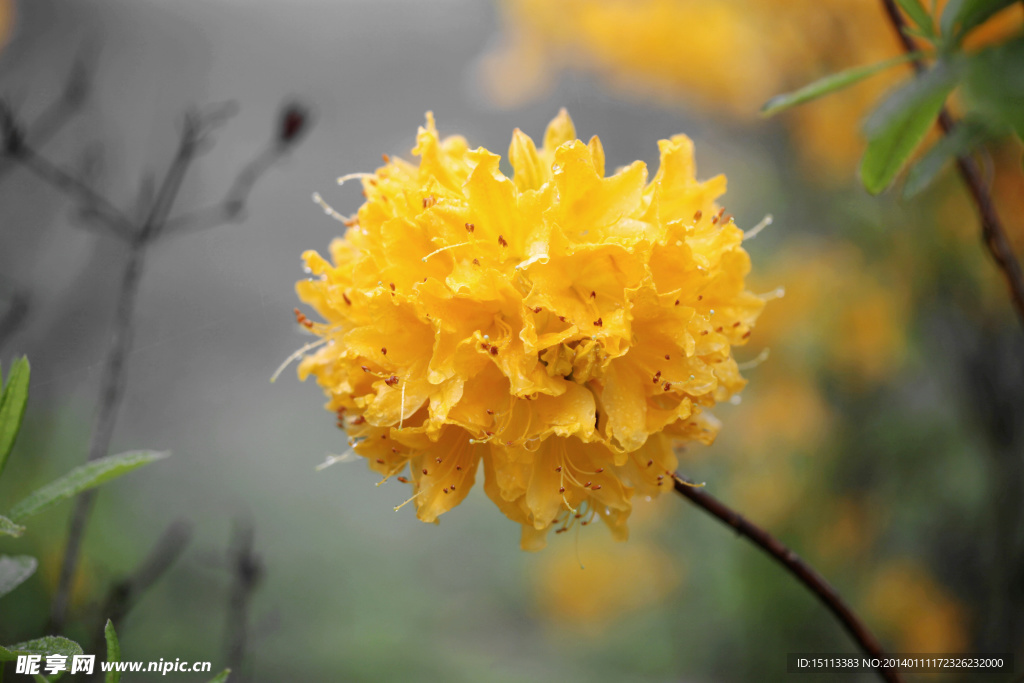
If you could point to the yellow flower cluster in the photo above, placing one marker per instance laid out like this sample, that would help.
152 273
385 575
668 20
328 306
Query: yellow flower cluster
728 56
561 326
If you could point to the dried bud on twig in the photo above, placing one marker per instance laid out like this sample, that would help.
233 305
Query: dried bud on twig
293 123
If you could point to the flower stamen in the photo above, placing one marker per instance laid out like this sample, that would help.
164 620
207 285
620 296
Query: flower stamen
450 246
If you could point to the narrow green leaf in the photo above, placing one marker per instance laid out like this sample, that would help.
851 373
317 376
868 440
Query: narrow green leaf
994 84
221 677
81 479
48 645
113 652
949 16
12 407
965 137
897 127
918 14
832 83
14 571
9 528
960 17
940 78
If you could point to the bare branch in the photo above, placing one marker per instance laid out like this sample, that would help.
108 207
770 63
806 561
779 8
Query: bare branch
17 310
232 207
811 579
194 141
294 122
111 395
125 593
248 570
55 116
94 207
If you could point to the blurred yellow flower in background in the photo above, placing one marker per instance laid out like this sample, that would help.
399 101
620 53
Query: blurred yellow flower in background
724 56
613 580
837 312
785 420
6 20
653 47
561 326
848 530
917 612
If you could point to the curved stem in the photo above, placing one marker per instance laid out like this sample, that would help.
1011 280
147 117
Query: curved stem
992 230
811 579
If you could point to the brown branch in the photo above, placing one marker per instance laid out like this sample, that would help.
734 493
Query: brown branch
111 395
247 568
58 113
992 230
93 205
294 122
232 207
17 311
125 593
139 235
813 581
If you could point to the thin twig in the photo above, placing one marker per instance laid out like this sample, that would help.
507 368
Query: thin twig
992 229
125 593
92 203
813 581
247 568
171 185
58 113
17 310
111 394
139 235
231 207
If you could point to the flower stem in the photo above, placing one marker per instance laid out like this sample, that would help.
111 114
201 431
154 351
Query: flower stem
795 566
992 230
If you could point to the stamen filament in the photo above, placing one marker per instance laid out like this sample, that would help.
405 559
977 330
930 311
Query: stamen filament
750 364
450 246
352 176
295 356
330 210
752 233
413 497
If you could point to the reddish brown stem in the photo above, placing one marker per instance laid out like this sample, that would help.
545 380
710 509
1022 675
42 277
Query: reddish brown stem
811 579
992 230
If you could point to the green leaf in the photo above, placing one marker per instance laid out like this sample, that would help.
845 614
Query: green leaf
221 677
960 17
896 128
14 570
113 652
965 137
918 14
994 85
832 83
9 528
81 479
48 645
12 407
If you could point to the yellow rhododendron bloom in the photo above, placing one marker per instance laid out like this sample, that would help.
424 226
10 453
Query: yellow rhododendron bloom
561 326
